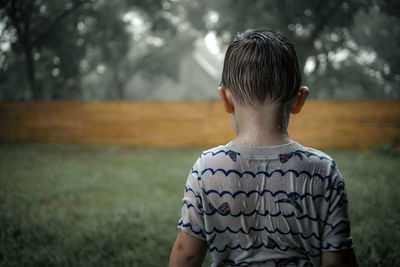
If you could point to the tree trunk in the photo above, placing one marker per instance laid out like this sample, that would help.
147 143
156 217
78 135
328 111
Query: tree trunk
30 72
119 83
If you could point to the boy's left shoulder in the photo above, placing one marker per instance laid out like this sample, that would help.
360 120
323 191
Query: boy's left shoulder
216 157
221 149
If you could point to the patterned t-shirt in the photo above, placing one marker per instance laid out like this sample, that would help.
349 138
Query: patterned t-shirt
266 206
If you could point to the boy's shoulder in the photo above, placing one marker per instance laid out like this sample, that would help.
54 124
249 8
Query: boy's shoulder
283 153
221 149
311 158
313 153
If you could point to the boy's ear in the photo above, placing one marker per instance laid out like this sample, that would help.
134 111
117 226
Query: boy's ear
300 99
226 98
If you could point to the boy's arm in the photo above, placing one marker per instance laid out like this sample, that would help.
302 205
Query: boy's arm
188 251
341 258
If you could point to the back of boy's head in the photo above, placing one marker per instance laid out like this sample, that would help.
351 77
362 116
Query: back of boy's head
261 67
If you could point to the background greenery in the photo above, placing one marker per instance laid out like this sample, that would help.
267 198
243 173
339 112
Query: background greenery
69 205
89 49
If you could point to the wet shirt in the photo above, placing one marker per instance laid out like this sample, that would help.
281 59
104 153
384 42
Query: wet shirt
266 206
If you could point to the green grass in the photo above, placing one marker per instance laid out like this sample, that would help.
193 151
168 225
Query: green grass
63 205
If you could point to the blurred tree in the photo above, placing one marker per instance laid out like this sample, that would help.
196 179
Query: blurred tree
75 49
30 28
324 35
61 45
156 47
307 23
378 30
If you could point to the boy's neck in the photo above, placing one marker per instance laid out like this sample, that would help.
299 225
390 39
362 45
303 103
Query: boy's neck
259 127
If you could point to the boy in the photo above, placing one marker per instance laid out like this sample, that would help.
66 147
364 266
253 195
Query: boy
263 199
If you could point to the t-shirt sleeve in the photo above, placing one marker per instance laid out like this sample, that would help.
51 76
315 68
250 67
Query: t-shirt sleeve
336 233
192 217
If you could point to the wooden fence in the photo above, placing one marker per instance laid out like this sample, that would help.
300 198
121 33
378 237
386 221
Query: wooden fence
321 124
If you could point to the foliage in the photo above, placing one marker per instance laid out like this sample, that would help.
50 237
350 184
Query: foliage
63 205
379 33
35 31
90 49
325 37
64 47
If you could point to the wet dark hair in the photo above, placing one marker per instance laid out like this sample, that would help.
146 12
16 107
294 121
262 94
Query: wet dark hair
261 66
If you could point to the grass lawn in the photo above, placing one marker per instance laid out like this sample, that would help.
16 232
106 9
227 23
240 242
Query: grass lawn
64 205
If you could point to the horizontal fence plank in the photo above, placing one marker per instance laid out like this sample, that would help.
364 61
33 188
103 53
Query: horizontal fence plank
321 124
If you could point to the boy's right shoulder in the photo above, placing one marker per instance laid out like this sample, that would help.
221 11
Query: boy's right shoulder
315 156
